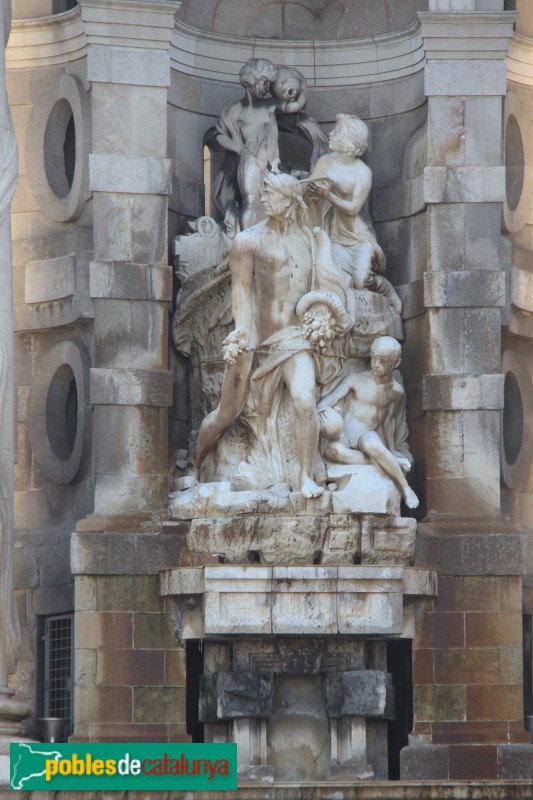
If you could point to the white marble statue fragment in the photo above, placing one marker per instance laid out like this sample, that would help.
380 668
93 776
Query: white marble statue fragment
274 265
248 130
337 193
372 418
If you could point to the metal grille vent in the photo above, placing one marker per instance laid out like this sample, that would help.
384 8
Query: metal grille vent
58 666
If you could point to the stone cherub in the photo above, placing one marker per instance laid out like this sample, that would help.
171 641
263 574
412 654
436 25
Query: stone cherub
249 129
372 420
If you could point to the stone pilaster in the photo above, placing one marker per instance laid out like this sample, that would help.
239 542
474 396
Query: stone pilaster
467 666
130 282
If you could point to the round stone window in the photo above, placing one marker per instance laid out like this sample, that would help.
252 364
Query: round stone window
514 162
513 419
59 419
62 412
57 148
60 148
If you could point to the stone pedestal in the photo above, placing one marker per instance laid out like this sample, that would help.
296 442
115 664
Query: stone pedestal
295 667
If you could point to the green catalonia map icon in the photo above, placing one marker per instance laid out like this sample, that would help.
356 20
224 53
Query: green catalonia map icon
28 765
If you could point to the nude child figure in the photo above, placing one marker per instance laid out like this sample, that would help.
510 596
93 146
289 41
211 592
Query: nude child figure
372 420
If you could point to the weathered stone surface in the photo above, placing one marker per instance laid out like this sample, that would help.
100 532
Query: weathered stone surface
50 280
123 553
464 288
128 65
129 281
515 762
131 387
387 542
454 392
465 78
275 540
361 693
424 762
492 554
129 174
244 694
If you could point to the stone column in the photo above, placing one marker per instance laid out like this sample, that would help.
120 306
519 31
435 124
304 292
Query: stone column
467 656
11 712
130 281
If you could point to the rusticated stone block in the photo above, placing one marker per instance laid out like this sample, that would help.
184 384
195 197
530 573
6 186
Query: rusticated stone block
464 288
443 630
129 174
491 554
231 695
131 387
387 541
475 665
493 630
127 593
471 762
360 693
439 703
455 392
158 704
244 694
515 761
424 763
500 702
123 553
130 668
479 593
128 281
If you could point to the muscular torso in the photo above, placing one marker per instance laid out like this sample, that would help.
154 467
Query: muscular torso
366 405
259 129
282 275
270 272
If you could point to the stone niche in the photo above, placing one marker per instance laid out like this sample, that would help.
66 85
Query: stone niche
295 661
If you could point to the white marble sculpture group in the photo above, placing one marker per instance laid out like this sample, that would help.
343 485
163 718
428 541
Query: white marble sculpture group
309 378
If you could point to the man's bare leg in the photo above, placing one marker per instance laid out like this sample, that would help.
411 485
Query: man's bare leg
340 453
299 376
234 392
372 445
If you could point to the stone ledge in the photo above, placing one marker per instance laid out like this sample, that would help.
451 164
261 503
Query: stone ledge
344 790
308 601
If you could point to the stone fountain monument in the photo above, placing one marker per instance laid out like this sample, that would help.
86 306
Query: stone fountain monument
301 561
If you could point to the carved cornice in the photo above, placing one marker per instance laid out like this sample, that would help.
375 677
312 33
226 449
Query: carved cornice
62 38
520 60
349 62
46 41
